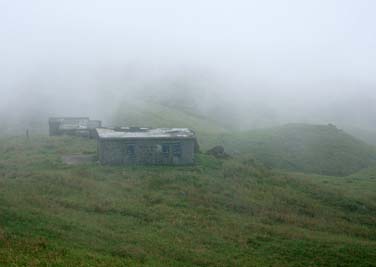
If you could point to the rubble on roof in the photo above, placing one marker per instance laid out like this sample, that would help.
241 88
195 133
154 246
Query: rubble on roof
135 132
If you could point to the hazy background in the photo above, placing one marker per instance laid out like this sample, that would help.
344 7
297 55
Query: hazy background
245 63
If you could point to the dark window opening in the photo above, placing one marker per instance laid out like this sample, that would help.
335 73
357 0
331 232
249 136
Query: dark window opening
166 150
131 151
176 150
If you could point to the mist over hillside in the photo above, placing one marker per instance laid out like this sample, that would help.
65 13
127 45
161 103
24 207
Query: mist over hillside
277 168
245 66
196 91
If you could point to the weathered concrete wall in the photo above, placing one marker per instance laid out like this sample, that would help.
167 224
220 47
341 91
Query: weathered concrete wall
146 151
54 128
92 124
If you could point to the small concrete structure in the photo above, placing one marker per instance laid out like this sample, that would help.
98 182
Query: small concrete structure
132 145
80 126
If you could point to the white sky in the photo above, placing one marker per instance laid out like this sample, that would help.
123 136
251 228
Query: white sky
288 50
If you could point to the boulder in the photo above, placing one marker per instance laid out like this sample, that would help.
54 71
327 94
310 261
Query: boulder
218 152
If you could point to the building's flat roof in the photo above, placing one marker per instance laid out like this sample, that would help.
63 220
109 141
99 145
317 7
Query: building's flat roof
76 126
67 118
145 133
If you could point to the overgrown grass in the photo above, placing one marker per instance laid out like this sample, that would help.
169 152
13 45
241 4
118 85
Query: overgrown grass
217 213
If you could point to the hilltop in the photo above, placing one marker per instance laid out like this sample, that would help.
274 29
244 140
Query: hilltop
152 114
217 213
322 149
262 207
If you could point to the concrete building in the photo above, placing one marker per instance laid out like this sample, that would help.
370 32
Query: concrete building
175 146
80 126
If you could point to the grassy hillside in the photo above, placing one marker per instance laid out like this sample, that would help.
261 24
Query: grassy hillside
217 213
321 149
152 114
367 135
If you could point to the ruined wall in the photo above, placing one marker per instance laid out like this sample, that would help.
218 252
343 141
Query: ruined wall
92 124
54 128
147 151
73 126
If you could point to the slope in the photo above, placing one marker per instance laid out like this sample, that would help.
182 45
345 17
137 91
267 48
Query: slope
321 149
217 213
152 114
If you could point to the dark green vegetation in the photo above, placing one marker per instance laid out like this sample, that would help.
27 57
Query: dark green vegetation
217 213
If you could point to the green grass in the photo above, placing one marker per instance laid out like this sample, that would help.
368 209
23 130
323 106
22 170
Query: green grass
216 213
321 149
152 114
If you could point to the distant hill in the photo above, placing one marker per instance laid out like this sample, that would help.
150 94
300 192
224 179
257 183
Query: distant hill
367 135
151 114
322 149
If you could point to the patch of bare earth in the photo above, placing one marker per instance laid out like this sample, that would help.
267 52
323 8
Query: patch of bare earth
78 159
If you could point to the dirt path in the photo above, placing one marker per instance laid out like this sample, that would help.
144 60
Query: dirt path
78 159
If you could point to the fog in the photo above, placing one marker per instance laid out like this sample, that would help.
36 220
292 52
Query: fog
247 63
